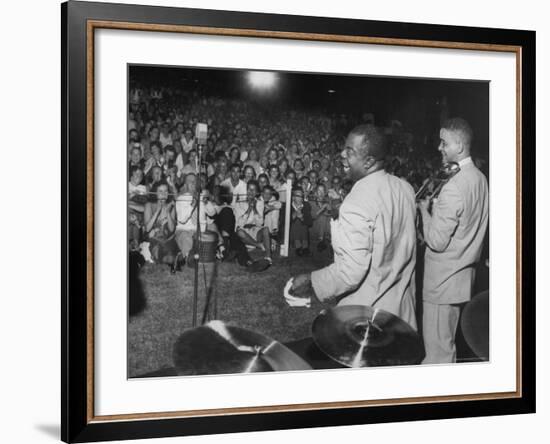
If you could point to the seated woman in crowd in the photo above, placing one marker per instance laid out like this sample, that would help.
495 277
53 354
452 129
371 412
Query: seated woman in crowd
154 177
252 160
325 165
169 157
305 186
283 166
313 179
137 197
178 149
172 180
291 175
264 164
190 167
299 168
263 181
235 156
300 222
222 168
135 185
248 173
272 208
316 164
136 159
159 226
272 157
156 158
335 191
211 210
281 151
249 215
274 179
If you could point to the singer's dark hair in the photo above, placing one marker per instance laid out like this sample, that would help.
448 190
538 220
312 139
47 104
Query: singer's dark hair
374 142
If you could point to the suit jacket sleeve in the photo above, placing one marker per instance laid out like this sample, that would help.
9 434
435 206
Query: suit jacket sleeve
352 241
440 227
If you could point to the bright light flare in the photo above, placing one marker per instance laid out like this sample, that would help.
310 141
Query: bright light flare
262 80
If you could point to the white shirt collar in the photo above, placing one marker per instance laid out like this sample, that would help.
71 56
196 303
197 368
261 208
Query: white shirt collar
465 161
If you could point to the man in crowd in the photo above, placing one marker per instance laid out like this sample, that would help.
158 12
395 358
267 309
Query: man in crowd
186 219
187 141
374 238
454 233
235 184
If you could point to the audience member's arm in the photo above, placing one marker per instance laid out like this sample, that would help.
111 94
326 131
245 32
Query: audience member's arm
171 219
136 207
149 217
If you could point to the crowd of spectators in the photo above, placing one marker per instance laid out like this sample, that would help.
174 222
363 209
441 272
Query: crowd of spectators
251 154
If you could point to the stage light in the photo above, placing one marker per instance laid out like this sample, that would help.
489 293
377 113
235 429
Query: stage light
331 91
262 79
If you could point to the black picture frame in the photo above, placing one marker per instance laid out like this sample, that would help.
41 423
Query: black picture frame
77 423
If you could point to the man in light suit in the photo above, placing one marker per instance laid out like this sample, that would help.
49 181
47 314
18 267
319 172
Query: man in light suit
374 238
454 233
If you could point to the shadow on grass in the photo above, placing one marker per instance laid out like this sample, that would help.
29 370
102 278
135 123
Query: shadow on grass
251 301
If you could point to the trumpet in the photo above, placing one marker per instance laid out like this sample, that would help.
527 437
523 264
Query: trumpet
431 188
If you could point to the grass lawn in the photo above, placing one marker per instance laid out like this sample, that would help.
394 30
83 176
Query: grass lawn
251 301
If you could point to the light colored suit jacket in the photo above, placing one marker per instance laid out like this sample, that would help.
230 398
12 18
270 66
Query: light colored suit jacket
374 242
454 236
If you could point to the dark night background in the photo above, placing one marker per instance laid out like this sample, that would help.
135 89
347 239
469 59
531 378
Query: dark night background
419 104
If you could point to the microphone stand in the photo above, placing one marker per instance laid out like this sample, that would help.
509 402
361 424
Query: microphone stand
197 236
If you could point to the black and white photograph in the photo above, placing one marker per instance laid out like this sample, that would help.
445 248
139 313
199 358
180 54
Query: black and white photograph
266 222
298 221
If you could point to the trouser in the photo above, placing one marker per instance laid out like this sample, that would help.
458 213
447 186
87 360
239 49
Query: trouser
225 222
163 250
184 239
238 246
439 324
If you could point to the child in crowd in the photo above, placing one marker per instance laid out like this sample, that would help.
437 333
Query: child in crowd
320 213
300 221
272 207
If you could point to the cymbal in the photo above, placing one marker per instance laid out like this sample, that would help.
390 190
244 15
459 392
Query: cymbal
218 348
361 336
475 324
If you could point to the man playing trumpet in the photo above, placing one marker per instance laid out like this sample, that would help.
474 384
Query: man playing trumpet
453 233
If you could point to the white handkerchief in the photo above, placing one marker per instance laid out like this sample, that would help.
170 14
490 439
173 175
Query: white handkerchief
294 301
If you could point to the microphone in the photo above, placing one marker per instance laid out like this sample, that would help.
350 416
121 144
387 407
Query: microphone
201 133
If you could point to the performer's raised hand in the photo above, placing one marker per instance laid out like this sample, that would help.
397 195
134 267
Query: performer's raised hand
298 291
